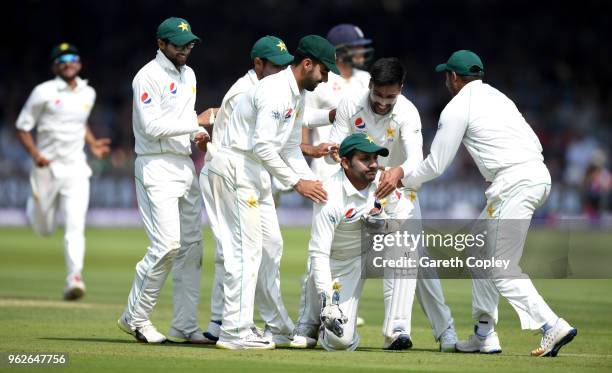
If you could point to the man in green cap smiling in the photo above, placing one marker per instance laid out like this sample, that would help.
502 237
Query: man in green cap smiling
269 55
261 139
167 190
334 249
508 154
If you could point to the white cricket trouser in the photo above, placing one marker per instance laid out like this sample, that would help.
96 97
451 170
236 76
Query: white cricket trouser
267 293
428 292
68 191
245 212
511 200
170 204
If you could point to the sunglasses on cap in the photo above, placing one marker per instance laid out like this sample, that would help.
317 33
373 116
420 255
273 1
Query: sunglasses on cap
64 58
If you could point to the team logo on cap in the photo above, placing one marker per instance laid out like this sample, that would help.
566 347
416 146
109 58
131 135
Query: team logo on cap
350 213
173 88
145 99
359 123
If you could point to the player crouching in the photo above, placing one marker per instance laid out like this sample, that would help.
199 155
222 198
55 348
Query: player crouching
335 249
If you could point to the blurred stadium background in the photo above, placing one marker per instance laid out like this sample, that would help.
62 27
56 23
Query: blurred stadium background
551 58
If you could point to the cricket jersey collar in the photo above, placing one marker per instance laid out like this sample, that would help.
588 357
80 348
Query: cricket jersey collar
252 76
165 63
292 82
62 85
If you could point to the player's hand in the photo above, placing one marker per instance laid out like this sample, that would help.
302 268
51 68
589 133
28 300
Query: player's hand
311 189
40 160
334 319
335 154
100 148
207 117
201 140
388 181
324 149
332 115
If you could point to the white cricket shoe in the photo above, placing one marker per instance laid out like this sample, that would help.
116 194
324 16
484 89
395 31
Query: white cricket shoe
360 321
75 288
484 345
400 341
280 340
253 341
448 340
146 333
554 338
197 337
305 336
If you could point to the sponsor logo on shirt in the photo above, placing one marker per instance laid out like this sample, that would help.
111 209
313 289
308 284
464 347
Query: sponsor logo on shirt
145 98
398 194
359 123
350 214
57 102
288 113
173 88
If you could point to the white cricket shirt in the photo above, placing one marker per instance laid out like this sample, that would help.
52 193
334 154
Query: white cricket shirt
399 130
265 126
59 114
163 115
230 100
490 126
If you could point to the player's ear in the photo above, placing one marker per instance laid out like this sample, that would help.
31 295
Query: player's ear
161 44
345 163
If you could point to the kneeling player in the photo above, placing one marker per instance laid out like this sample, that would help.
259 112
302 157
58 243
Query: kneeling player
335 249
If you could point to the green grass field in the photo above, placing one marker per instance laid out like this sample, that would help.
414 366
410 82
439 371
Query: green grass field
33 318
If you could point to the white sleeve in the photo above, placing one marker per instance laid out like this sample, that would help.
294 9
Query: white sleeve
30 113
324 222
451 129
150 115
412 139
340 128
265 144
314 117
293 156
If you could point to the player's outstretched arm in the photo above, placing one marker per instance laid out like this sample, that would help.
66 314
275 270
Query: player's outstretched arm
100 148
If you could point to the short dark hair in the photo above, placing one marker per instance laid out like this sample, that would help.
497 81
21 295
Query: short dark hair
298 57
387 71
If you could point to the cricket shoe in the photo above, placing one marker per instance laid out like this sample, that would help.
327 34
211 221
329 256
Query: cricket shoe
253 341
448 340
214 329
75 288
360 321
280 340
399 341
554 338
197 337
484 345
145 334
305 336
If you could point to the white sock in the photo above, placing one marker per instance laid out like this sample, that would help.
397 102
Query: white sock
485 326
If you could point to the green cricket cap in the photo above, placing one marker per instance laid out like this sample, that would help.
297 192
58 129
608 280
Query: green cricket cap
272 49
363 142
177 31
63 48
463 62
319 49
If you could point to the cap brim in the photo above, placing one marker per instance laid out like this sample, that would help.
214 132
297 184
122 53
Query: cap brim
442 67
280 59
372 148
332 67
184 38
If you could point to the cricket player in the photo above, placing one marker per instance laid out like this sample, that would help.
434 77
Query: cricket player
509 156
335 247
169 199
393 121
352 52
262 139
59 178
269 55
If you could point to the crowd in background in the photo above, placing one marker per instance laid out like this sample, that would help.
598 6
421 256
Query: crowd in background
552 62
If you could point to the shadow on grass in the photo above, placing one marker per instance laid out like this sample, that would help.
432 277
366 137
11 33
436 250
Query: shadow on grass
126 341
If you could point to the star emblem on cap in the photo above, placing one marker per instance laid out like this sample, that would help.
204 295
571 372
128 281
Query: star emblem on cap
183 26
370 139
64 46
281 46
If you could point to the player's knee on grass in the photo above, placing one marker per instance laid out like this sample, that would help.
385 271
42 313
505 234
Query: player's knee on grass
331 342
